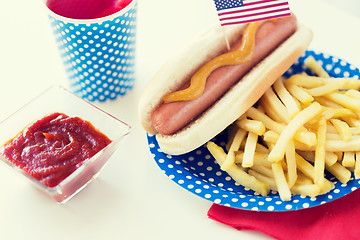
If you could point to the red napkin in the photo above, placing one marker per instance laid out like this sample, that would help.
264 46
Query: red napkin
339 219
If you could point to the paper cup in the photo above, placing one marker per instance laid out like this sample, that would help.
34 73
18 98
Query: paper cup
98 54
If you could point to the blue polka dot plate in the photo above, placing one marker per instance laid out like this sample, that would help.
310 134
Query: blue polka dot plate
198 172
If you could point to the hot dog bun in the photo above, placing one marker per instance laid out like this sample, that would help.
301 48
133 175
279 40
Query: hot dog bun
234 103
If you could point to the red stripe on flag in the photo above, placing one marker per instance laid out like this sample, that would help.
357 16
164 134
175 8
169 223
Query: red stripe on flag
255 14
259 2
252 9
258 19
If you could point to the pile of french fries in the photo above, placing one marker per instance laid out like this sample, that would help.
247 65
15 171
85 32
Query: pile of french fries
300 128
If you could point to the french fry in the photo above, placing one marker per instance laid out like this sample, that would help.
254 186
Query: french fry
315 67
235 144
253 126
306 81
249 150
348 159
266 120
333 136
290 130
291 164
339 156
271 136
310 190
349 83
342 146
326 88
343 129
352 121
259 148
319 163
327 102
328 186
357 165
299 93
270 111
330 157
305 167
344 100
259 158
357 115
266 171
240 176
302 179
320 86
330 112
273 102
333 145
280 181
353 93
268 180
354 130
305 137
290 103
340 172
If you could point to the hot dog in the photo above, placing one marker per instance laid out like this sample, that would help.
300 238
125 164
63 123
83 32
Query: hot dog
230 90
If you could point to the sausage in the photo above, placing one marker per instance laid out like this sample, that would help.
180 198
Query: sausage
169 118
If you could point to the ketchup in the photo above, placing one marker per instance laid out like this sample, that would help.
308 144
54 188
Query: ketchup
51 148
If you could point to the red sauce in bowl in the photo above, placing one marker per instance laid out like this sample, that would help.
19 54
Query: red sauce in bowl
51 148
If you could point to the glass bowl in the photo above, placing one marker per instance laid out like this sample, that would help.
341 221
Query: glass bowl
58 99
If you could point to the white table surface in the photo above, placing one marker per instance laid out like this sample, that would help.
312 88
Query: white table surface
131 198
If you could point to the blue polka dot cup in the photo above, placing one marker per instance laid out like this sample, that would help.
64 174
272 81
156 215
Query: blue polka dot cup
99 53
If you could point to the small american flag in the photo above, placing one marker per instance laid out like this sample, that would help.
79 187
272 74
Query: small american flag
244 11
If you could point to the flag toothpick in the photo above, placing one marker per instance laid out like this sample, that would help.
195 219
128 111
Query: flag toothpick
245 11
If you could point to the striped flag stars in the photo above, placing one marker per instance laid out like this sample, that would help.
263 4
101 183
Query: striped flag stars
244 11
220 5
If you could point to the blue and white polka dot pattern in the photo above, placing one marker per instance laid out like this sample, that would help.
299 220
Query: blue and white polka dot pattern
99 55
199 173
